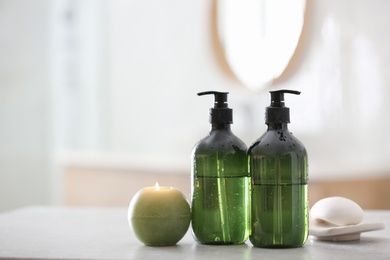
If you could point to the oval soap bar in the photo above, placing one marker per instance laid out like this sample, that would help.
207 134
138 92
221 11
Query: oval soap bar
338 211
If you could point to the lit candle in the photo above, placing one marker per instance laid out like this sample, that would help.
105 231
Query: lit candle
159 216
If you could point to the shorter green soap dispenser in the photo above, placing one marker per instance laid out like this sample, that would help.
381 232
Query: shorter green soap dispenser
278 166
220 181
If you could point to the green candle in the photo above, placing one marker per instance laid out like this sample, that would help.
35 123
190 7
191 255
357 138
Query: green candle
159 216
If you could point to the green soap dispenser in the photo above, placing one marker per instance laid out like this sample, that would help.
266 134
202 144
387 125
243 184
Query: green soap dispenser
278 166
220 181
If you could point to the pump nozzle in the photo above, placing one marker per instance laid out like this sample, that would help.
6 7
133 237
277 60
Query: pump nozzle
220 113
277 96
277 112
219 97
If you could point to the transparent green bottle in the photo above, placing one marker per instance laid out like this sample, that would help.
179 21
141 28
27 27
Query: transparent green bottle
220 181
278 167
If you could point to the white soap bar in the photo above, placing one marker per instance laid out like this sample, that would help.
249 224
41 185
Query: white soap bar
336 211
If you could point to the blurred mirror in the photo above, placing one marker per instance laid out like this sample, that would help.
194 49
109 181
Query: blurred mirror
259 37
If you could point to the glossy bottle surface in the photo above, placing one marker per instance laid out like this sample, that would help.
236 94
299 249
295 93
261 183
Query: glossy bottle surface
278 167
220 188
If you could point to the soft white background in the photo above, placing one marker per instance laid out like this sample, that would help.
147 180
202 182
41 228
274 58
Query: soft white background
115 82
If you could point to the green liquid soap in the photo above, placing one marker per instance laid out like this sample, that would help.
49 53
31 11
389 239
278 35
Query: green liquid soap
281 223
220 209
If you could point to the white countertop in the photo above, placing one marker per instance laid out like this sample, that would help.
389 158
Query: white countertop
103 233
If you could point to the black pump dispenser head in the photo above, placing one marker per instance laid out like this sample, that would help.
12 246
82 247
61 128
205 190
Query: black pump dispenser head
277 112
220 113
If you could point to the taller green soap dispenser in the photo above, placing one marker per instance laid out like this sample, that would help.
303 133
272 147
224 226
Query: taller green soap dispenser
220 181
278 166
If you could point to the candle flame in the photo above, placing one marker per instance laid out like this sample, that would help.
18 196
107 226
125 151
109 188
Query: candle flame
157 187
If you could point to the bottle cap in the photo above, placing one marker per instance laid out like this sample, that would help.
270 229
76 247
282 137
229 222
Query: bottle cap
220 113
277 112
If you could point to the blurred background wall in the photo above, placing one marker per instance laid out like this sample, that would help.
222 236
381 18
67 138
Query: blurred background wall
98 98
